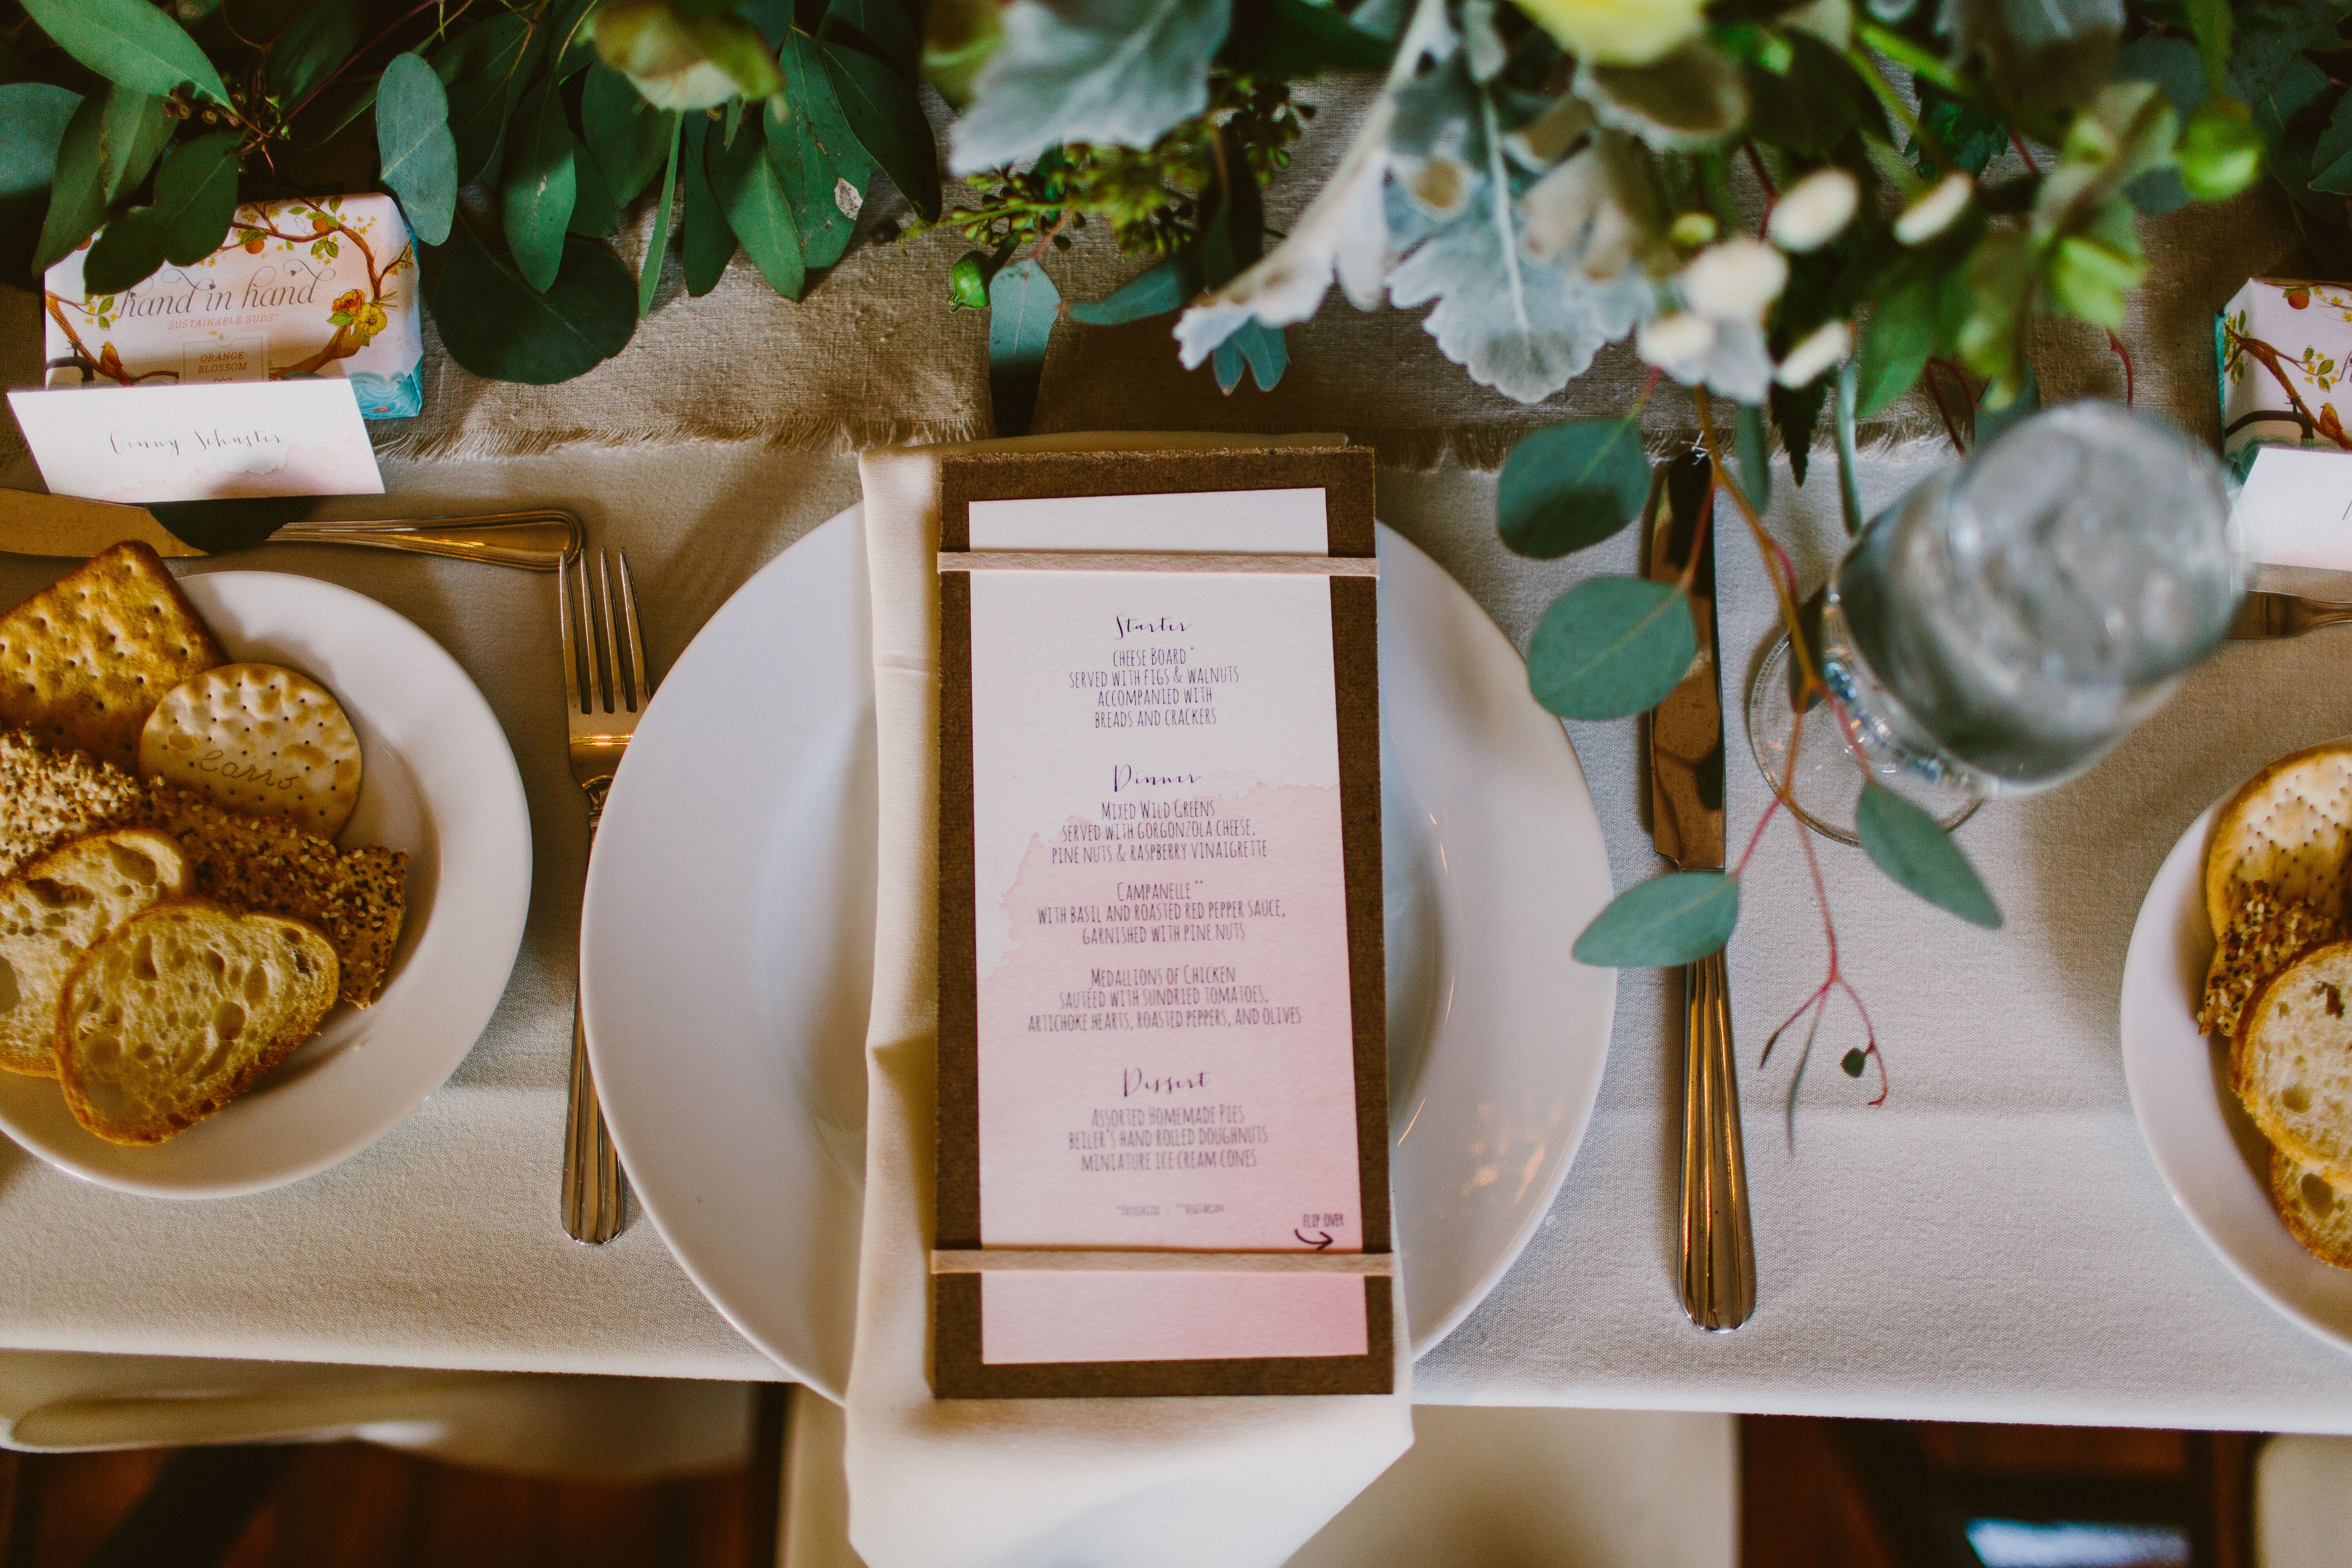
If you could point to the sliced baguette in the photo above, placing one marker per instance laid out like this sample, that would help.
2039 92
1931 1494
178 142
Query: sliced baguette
2316 1210
2290 1060
55 911
181 1010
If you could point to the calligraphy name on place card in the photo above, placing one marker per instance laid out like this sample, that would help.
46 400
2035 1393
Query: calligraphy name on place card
1162 1060
159 442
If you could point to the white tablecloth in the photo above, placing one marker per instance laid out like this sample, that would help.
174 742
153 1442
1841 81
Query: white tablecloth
1992 1243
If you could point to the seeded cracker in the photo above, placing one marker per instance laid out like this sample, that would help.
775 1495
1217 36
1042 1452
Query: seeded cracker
356 897
85 660
2267 933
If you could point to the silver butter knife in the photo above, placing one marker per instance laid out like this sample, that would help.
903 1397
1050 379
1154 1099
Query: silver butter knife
1686 750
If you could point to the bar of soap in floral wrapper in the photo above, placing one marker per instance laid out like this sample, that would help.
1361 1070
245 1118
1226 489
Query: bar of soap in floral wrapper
2284 347
297 289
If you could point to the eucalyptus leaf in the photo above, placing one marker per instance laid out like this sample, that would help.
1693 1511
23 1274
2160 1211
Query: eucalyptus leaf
536 186
322 35
1021 305
1114 72
1849 488
2270 35
1154 293
414 151
1610 648
628 137
2331 156
649 270
1994 423
1263 350
756 209
131 43
497 325
131 138
1754 453
1226 363
1797 411
594 212
1675 919
824 171
889 124
195 200
78 192
709 243
883 29
477 125
1897 337
1571 486
33 120
1906 843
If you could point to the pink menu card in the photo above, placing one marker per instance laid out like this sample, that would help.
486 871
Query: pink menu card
1161 1026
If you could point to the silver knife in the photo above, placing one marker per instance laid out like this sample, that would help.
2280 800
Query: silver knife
1685 747
36 524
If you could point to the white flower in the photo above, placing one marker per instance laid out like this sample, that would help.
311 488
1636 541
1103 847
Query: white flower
1814 211
1729 358
1618 32
1677 343
1815 353
1734 281
1832 21
1587 213
1933 213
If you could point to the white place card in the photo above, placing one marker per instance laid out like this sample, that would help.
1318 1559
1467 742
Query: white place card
137 445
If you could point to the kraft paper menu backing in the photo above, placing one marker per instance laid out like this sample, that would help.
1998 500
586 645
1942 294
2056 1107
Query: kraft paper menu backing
1345 478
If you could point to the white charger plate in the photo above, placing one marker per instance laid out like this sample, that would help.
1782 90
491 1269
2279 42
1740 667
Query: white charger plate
727 949
2209 1153
437 780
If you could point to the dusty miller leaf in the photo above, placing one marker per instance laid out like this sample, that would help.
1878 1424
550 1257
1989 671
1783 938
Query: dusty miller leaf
1523 328
1114 71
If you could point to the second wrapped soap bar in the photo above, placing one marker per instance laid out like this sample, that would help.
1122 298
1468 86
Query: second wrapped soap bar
298 289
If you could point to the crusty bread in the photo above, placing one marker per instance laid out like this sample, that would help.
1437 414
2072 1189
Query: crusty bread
84 662
2289 825
181 1010
2290 1060
2266 933
259 738
356 897
60 907
2316 1210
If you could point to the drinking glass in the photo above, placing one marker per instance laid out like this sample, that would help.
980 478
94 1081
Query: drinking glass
2011 618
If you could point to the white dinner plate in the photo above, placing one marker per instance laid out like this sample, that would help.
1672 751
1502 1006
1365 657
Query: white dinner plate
437 780
727 948
2209 1153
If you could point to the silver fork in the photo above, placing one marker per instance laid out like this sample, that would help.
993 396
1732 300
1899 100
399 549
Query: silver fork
604 690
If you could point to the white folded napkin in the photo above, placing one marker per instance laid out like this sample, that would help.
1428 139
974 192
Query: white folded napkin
946 1484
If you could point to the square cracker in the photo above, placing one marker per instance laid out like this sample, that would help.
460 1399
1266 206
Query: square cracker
85 660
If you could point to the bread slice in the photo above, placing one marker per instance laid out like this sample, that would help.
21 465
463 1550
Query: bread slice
181 1010
2290 1060
357 897
2316 1210
61 907
2266 933
2289 825
85 660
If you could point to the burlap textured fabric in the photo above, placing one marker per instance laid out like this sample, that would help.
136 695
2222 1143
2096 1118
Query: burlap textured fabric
874 357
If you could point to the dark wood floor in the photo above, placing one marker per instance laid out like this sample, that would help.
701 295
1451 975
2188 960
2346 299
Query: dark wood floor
354 1506
1814 1494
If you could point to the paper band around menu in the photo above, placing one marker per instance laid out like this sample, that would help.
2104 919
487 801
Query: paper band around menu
1165 1048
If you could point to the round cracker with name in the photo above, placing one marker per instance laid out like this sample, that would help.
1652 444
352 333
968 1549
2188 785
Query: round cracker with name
258 739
